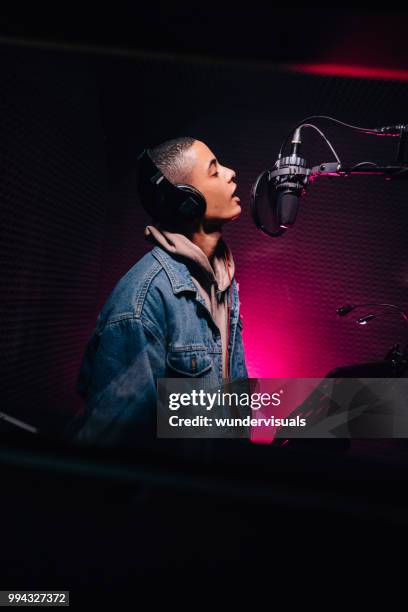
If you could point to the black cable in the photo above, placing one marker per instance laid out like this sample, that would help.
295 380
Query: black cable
353 127
364 164
395 306
375 315
402 171
310 125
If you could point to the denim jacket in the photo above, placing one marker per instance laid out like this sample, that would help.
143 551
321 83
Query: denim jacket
154 325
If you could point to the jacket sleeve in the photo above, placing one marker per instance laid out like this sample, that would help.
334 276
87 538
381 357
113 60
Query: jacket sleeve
130 354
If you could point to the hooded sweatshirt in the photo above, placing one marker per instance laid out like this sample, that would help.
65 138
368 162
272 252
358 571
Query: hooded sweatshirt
212 281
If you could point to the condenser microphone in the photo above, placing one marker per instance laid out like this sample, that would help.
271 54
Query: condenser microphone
287 185
275 194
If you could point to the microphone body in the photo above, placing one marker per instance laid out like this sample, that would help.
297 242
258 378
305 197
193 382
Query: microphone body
288 180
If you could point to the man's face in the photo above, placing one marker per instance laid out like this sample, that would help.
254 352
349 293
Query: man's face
216 183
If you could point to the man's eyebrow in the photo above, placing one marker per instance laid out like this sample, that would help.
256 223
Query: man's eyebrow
213 162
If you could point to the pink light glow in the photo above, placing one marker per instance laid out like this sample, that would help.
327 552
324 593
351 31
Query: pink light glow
361 72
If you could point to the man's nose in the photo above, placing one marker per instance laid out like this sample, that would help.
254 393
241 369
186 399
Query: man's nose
232 174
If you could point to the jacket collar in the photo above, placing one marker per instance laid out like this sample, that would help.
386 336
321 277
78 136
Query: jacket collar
180 279
177 271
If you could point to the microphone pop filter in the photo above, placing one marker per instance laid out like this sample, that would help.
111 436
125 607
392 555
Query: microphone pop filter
264 206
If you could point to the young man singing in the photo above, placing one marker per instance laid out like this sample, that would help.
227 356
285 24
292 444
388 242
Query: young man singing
175 313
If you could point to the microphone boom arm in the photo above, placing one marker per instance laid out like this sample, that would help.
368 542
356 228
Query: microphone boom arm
335 169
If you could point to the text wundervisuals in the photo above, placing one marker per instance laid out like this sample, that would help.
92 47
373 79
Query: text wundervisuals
203 421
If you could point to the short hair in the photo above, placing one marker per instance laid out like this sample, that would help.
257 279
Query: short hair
169 158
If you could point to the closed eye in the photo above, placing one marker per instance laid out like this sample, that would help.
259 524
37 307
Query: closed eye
215 174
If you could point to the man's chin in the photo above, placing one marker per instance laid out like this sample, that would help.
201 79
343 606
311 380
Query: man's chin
238 213
220 221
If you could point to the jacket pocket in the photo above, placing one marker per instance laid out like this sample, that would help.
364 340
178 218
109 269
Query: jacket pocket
188 361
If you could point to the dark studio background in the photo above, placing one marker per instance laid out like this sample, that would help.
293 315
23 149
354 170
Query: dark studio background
79 100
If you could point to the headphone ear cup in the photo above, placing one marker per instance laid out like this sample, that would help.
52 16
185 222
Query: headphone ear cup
194 206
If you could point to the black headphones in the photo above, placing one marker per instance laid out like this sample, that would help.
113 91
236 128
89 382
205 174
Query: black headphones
163 200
